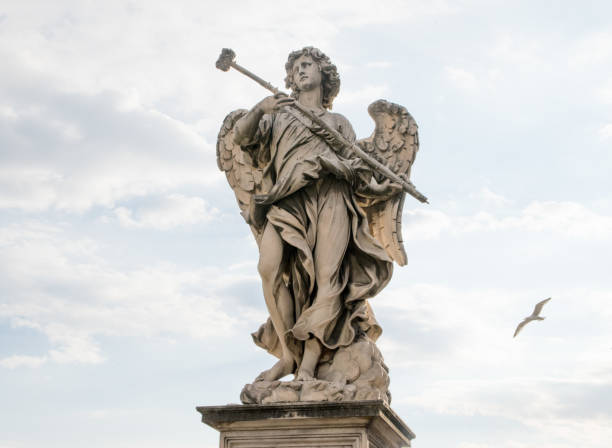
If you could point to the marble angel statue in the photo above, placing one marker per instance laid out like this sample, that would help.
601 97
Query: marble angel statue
327 224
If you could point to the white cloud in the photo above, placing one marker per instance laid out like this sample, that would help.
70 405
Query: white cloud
604 93
547 379
539 420
477 325
461 78
567 219
367 95
490 198
105 414
379 64
74 345
168 212
100 154
504 444
15 361
606 131
538 406
474 80
591 50
362 12
130 58
63 288
521 53
5 443
28 188
84 130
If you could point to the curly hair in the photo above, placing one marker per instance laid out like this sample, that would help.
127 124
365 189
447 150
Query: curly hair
329 74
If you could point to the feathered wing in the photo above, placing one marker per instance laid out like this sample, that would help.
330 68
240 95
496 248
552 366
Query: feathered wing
538 308
395 142
520 326
242 173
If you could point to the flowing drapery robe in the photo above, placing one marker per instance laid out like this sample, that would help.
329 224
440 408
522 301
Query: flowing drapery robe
331 262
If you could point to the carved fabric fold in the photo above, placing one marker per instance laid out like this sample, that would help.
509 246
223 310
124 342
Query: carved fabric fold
332 263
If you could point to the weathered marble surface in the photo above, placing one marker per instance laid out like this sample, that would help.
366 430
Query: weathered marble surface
355 424
325 210
356 372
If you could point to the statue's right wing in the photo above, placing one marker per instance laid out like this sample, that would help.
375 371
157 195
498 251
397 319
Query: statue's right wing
395 142
242 173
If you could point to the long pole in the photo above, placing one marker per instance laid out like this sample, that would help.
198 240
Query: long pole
226 60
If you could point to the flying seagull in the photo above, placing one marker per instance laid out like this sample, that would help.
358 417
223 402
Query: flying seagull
534 316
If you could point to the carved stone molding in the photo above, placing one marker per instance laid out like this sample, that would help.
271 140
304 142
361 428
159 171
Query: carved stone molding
356 424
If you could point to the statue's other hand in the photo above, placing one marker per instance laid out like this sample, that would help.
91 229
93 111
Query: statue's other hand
390 188
274 103
384 189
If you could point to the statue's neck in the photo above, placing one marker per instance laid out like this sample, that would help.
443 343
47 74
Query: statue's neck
312 98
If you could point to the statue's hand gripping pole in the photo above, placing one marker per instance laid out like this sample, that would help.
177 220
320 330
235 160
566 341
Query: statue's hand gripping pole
226 61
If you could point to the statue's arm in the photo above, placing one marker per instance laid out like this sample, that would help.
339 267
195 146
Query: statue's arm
246 128
367 186
382 191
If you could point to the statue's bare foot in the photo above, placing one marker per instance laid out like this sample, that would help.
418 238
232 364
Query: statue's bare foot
304 375
280 369
312 353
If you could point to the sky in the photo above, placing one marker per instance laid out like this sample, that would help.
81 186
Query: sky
128 280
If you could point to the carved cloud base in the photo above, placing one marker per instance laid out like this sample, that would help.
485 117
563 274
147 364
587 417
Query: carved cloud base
355 424
357 372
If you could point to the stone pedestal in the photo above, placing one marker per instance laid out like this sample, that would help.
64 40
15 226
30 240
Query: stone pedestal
352 424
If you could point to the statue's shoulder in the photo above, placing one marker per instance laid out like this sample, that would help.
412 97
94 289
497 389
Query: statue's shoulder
338 117
342 124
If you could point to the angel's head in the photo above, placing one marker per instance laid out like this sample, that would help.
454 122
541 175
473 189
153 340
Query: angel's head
321 72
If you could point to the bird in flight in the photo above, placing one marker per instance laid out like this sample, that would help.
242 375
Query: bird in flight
534 316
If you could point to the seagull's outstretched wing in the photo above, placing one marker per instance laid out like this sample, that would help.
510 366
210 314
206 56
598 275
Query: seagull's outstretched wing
520 326
538 308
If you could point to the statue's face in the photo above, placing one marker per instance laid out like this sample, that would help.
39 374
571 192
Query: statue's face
306 74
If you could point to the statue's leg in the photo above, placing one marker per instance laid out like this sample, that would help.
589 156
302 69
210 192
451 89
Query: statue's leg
280 304
312 353
333 234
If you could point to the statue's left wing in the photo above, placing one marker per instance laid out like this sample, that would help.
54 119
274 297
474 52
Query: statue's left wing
243 175
395 142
